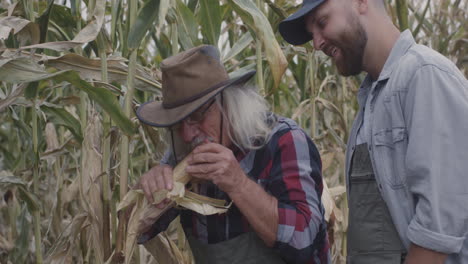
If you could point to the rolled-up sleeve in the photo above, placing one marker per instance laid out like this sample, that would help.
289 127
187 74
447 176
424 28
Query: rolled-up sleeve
437 158
297 184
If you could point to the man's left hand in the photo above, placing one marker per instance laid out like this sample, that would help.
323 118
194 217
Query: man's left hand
212 161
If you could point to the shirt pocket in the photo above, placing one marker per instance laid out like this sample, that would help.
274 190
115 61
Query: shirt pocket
390 154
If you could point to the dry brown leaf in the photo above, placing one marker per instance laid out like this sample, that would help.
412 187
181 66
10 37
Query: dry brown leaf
63 248
132 229
327 160
5 244
51 137
24 29
10 99
161 250
87 34
90 188
300 110
117 70
328 202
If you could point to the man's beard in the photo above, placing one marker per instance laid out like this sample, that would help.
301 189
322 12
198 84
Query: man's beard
182 148
200 140
352 44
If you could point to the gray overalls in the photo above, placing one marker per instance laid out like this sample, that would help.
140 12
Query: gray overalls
372 237
247 248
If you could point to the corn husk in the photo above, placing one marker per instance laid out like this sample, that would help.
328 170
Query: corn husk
148 212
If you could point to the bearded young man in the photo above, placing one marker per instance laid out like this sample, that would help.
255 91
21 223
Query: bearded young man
407 158
265 164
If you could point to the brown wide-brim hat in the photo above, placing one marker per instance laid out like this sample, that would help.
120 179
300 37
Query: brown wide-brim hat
189 80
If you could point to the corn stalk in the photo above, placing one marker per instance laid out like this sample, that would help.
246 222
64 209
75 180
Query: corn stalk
124 148
106 155
259 56
402 12
36 212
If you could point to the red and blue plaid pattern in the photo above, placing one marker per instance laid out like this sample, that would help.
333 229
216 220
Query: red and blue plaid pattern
289 168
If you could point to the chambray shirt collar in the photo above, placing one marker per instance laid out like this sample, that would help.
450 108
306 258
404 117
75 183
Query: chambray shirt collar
404 42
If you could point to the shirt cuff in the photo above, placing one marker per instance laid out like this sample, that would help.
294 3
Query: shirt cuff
426 238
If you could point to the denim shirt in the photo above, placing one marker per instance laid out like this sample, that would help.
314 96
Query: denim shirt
417 126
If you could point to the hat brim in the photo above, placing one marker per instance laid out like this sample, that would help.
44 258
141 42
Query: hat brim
153 113
293 28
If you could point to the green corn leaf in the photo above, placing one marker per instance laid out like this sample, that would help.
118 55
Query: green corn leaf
146 17
210 20
62 117
256 20
187 26
105 98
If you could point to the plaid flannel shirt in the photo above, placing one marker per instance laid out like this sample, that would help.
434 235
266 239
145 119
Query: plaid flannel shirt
289 168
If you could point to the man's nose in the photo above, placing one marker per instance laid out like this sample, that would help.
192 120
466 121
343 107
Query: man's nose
188 132
318 40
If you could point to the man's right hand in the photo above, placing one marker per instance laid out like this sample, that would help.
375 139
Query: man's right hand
156 179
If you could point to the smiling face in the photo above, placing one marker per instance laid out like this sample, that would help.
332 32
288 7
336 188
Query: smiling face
337 31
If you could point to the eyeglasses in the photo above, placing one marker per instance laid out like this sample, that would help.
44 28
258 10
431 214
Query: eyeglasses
196 117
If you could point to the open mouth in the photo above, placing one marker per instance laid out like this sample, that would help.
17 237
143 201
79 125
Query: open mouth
331 51
334 52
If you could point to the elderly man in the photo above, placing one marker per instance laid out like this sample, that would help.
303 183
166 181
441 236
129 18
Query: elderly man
407 151
265 164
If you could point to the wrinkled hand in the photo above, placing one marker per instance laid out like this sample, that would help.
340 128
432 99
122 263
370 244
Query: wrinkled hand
156 179
214 162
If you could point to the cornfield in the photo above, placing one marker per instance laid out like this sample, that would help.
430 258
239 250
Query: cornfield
73 72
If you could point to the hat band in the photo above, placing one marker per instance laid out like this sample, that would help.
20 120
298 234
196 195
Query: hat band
196 96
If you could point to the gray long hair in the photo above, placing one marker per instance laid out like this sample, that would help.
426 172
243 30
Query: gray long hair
247 113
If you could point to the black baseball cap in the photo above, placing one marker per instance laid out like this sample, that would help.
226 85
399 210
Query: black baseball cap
293 28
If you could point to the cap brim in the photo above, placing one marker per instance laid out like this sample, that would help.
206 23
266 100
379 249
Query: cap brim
154 114
293 28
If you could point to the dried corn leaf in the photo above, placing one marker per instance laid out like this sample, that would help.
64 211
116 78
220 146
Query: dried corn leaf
22 69
337 190
160 196
87 34
151 214
200 207
178 191
70 192
116 67
328 202
90 187
301 109
160 248
11 98
5 245
132 229
63 248
327 160
7 181
205 199
26 29
129 199
51 137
